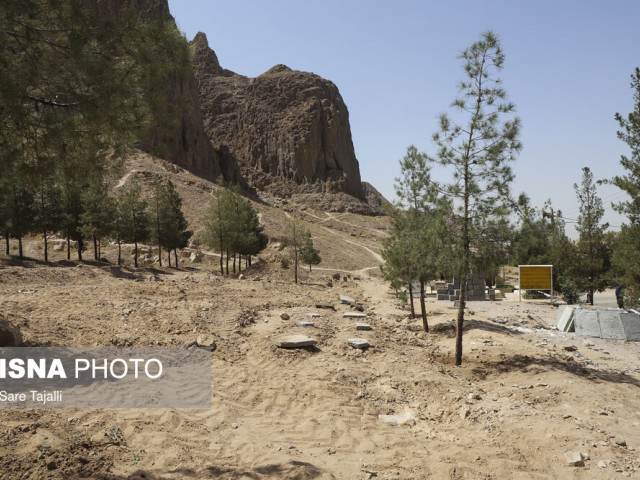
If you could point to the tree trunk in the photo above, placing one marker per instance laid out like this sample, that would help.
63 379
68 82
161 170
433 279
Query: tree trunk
169 258
6 240
20 247
175 256
295 256
95 248
309 268
46 252
239 263
422 307
234 262
119 252
227 262
460 319
68 245
160 255
221 264
80 245
249 259
413 310
135 252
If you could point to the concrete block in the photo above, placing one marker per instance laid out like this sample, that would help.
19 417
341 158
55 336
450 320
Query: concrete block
630 323
564 318
586 322
610 326
453 297
443 297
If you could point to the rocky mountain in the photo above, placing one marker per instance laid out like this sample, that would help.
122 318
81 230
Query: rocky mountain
288 130
373 197
189 146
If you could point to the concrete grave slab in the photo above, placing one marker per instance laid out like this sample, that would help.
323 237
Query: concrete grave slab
586 322
305 324
296 341
346 300
363 326
354 315
361 343
630 323
610 326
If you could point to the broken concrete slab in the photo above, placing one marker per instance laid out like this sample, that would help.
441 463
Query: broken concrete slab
346 300
363 326
361 343
354 315
564 318
305 324
325 305
296 341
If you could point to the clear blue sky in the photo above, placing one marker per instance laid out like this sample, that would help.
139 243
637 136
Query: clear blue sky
567 69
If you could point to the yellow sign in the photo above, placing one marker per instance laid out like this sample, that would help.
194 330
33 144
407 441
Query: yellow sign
535 277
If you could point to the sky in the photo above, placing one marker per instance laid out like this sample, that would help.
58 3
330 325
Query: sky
567 69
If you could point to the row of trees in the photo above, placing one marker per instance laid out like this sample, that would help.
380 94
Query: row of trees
463 224
233 228
80 86
94 215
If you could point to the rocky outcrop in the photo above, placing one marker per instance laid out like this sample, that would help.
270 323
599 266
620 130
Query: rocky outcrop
373 197
288 130
189 146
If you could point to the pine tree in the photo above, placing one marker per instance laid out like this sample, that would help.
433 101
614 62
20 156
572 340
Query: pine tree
592 254
626 257
478 151
134 221
308 254
48 212
174 225
294 237
219 222
98 215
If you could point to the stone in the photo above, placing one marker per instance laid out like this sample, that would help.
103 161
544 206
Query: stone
361 343
363 326
296 341
574 459
313 315
196 257
285 316
305 324
241 276
10 335
325 305
602 464
346 300
354 315
570 348
336 276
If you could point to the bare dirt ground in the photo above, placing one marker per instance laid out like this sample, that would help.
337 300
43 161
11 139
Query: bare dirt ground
525 395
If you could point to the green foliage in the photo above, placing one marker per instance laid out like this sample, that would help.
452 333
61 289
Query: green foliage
567 288
308 254
477 146
98 215
294 237
169 223
592 255
48 212
133 221
232 225
626 254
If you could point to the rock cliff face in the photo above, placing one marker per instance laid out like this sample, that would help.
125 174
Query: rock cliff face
189 146
288 130
373 197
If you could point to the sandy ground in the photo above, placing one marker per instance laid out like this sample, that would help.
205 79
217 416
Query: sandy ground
518 403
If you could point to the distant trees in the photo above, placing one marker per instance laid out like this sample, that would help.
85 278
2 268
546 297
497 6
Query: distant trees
232 227
134 225
308 254
418 247
626 257
592 254
169 224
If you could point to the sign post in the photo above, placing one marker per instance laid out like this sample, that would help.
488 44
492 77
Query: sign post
536 277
